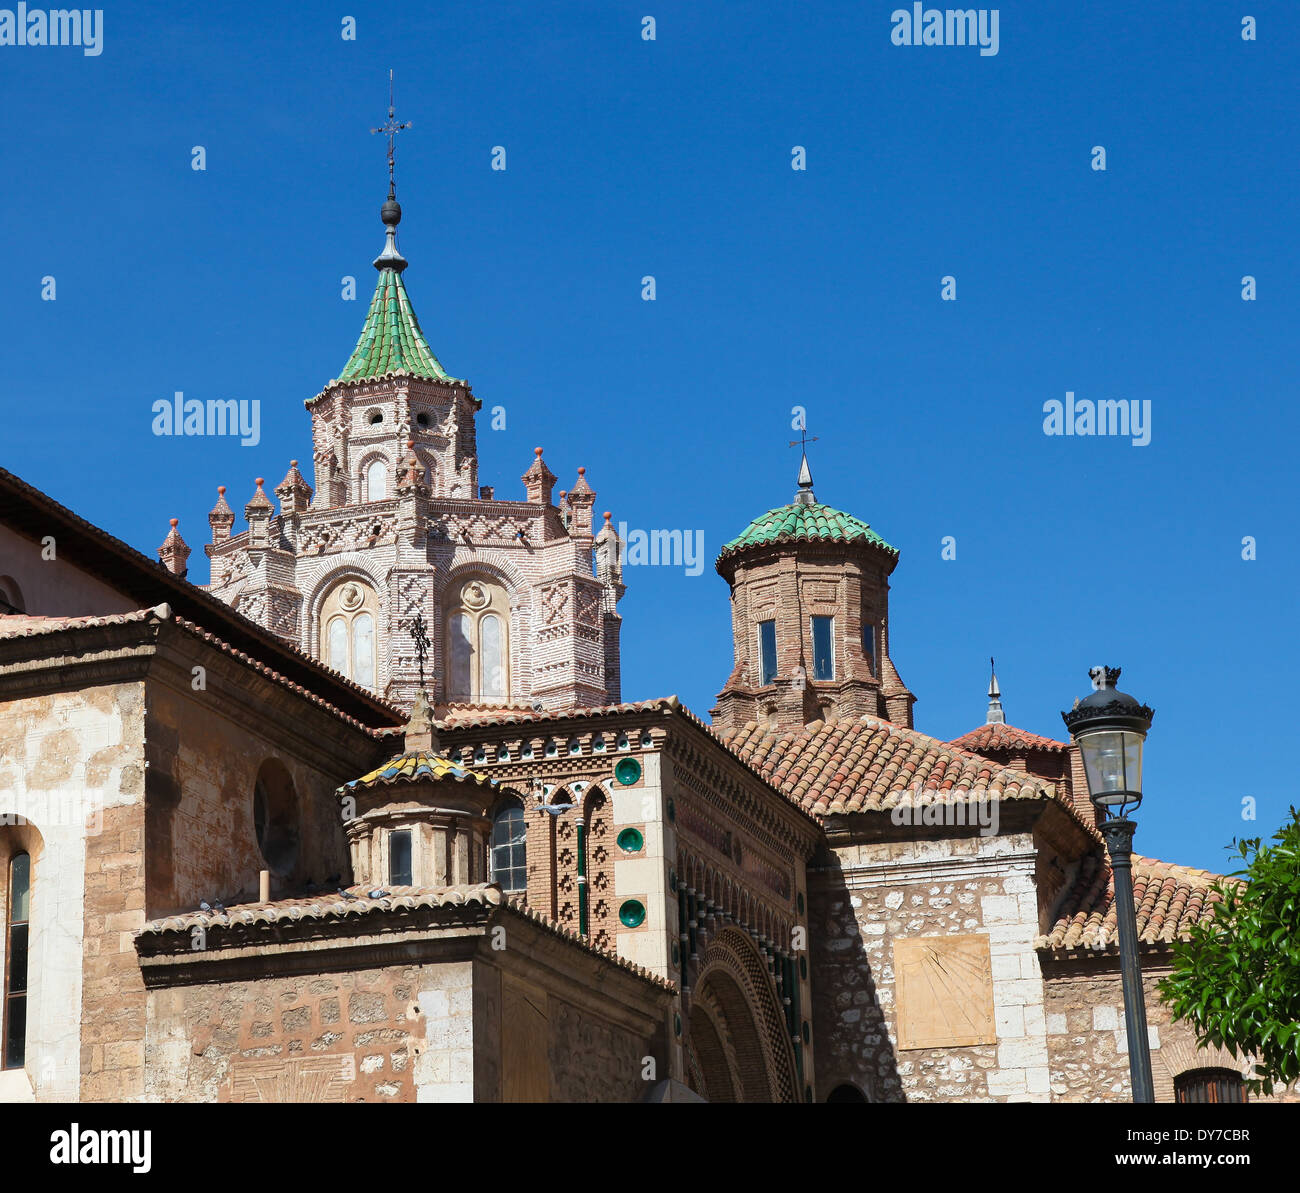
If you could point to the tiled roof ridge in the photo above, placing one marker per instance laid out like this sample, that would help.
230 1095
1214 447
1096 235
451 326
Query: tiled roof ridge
1168 897
987 736
333 905
863 753
33 625
191 590
668 704
36 626
520 908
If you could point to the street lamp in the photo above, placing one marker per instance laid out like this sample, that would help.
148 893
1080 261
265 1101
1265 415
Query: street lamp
1110 727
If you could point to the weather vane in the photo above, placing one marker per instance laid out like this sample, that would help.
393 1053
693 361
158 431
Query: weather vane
391 127
803 441
420 635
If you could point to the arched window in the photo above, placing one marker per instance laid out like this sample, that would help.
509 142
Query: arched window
347 620
508 856
275 817
376 480
11 597
478 643
1209 1085
18 914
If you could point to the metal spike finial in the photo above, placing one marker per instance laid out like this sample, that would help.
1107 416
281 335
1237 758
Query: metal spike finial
805 495
391 212
996 715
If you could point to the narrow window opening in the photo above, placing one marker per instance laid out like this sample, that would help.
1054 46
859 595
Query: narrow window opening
509 853
16 937
399 858
767 652
823 637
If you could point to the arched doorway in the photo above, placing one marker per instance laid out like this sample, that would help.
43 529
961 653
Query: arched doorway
846 1093
737 1046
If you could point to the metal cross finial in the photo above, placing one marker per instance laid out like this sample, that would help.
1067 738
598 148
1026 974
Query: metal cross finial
391 127
420 635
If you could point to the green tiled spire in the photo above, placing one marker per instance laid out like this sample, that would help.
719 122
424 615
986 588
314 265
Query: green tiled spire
391 338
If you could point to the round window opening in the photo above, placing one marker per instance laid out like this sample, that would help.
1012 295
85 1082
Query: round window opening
376 416
275 817
422 419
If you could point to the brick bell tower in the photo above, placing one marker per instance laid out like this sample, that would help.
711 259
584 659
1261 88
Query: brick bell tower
810 619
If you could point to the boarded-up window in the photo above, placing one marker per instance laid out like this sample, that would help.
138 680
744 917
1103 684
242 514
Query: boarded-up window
944 992
525 1045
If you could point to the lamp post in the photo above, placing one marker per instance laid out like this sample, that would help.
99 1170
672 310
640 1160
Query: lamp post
1110 728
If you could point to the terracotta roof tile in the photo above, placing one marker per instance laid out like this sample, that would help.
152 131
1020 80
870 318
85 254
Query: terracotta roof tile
1005 737
868 765
21 625
1168 898
326 907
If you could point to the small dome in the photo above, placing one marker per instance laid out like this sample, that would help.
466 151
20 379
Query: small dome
807 523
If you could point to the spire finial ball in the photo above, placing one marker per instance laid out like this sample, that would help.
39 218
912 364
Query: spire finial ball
582 472
293 463
221 490
537 451
608 515
261 480
175 522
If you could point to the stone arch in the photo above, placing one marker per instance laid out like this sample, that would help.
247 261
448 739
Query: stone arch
709 1062
1178 1055
505 603
362 478
739 999
276 817
324 585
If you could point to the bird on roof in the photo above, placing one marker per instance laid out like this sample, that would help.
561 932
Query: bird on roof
555 809
376 894
346 893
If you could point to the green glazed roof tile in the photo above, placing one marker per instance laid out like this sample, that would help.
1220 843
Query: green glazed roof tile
797 522
391 338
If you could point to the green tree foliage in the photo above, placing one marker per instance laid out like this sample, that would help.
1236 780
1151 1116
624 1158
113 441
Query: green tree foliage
1236 980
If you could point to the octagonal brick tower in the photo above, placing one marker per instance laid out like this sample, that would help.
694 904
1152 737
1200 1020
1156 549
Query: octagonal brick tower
810 619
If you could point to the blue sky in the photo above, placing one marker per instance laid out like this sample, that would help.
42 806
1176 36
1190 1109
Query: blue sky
775 288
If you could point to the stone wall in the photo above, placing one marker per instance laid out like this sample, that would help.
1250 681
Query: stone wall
372 1035
1088 1043
877 894
72 768
488 1028
204 752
